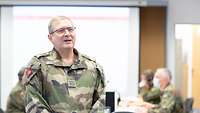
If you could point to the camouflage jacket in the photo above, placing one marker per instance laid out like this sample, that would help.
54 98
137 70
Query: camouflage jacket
151 96
167 104
15 103
55 87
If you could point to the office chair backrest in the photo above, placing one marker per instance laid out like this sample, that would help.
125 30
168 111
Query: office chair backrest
178 108
188 104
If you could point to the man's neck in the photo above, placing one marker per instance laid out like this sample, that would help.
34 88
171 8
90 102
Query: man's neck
164 86
67 56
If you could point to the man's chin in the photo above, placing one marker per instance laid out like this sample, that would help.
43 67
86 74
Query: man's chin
68 47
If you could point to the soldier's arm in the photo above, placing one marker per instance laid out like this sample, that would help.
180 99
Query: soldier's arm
166 105
34 101
99 94
153 94
143 91
15 103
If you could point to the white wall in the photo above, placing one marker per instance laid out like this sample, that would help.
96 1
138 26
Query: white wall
133 57
179 12
7 81
0 58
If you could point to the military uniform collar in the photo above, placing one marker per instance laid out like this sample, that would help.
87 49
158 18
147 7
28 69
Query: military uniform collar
169 87
55 59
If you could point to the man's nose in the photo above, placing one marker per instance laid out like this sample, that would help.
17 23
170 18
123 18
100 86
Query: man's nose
67 32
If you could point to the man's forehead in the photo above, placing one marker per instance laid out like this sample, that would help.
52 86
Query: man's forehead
62 23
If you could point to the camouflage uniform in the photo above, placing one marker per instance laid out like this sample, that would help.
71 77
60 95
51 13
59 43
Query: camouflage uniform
55 87
142 91
151 96
168 102
15 103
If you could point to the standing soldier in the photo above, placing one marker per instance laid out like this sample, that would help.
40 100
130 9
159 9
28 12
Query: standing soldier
63 80
15 103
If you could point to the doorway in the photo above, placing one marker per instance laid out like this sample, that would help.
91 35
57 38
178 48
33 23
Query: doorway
188 61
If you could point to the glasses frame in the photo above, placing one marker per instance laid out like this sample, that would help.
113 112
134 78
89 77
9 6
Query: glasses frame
63 30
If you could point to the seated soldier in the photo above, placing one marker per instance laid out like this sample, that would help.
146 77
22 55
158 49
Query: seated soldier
15 103
170 103
146 90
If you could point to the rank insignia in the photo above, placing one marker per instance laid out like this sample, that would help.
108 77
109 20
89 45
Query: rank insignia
71 83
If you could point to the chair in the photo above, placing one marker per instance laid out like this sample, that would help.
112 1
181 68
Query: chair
188 103
179 107
1 111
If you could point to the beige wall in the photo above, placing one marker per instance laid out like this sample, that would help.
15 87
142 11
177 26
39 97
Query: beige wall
152 42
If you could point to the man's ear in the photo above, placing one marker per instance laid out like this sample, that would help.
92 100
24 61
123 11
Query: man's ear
49 37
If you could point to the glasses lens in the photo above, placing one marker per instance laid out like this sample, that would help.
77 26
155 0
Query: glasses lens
70 29
63 30
60 31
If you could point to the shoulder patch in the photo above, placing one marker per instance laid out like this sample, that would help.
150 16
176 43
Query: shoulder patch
30 70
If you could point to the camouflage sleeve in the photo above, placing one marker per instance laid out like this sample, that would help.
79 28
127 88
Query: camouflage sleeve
99 94
15 103
143 91
152 96
166 105
35 103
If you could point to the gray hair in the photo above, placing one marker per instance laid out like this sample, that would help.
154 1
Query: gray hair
55 20
164 72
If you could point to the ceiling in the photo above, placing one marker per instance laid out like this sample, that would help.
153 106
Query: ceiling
87 2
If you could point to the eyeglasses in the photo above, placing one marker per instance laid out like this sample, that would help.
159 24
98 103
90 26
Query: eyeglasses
63 30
